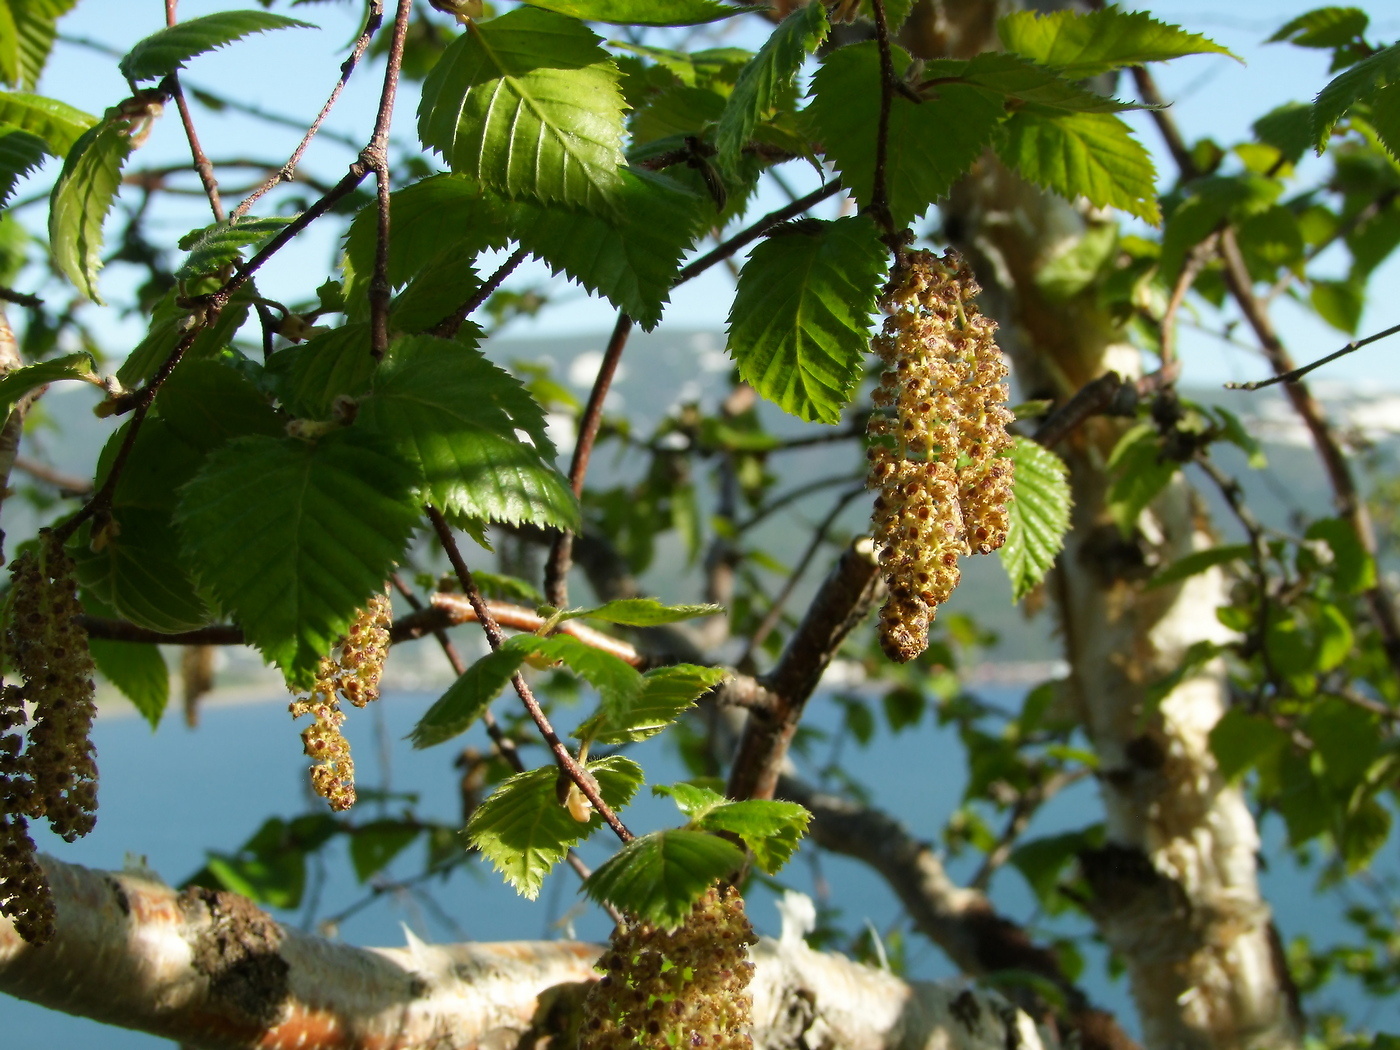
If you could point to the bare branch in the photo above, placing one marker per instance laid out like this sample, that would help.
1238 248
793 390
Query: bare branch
1298 373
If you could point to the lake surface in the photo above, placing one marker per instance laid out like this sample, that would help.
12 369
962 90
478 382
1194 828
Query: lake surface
174 794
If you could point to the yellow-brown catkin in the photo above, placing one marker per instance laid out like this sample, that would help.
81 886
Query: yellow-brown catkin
354 674
54 774
684 988
937 454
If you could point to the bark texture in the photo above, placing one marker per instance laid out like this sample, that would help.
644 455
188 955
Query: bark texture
211 970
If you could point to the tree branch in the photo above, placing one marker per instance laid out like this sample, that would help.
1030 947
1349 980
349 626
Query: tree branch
1298 373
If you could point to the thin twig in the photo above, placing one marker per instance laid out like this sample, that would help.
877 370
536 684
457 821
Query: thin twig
755 231
287 172
879 196
1298 373
565 760
450 325
201 161
67 484
376 155
1196 260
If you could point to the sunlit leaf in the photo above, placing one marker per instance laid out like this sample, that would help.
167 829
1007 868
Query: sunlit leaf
81 198
1082 44
164 52
1039 516
660 876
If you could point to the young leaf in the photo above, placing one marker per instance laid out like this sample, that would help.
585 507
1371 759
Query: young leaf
644 12
169 323
658 878
1198 562
767 75
34 24
770 829
455 414
665 693
1325 27
375 844
466 698
215 247
691 799
1092 155
800 323
1085 44
529 104
932 143
18 382
642 612
523 830
618 682
81 198
139 673
292 537
1039 513
1017 79
57 123
1357 84
20 153
311 376
631 258
164 52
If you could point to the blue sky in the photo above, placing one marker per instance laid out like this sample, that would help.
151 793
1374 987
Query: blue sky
290 72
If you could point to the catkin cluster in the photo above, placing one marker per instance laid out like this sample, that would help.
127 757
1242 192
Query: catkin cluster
937 448
51 772
353 673
685 988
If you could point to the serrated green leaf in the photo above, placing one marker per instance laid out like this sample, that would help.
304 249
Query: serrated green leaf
1140 471
524 831
1091 155
9 46
468 697
1324 27
374 845
206 403
215 247
455 414
618 682
1198 562
139 673
437 292
642 612
1038 513
658 878
630 258
20 153
311 376
18 382
1085 44
529 104
293 537
800 323
57 123
645 12
81 198
1288 128
1356 84
665 693
164 52
30 28
1385 118
169 323
939 139
693 800
1021 81
768 75
770 829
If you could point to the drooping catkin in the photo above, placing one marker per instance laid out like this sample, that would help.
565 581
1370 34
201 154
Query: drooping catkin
52 772
681 988
937 452
353 673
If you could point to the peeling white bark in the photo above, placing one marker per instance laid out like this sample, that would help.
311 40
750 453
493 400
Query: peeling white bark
210 970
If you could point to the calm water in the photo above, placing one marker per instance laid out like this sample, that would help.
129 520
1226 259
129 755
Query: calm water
172 795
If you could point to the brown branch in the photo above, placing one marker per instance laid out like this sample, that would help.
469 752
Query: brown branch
9 295
879 193
449 326
843 599
376 155
562 756
287 172
201 160
1109 393
67 484
755 231
1298 373
1196 260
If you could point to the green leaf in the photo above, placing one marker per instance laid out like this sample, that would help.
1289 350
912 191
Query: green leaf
618 682
1325 27
1365 829
1039 516
1020 81
1242 741
938 139
1287 128
57 123
800 323
1079 264
631 258
277 880
169 324
642 612
1352 566
645 12
529 104
20 153
1041 861
206 403
1214 200
468 697
1140 471
1091 155
1385 118
1339 303
1357 84
215 247
693 800
524 830
334 364
374 845
771 830
293 537
34 24
1085 44
164 52
1347 739
658 878
455 414
139 673
665 693
81 198
18 382
1198 562
767 76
